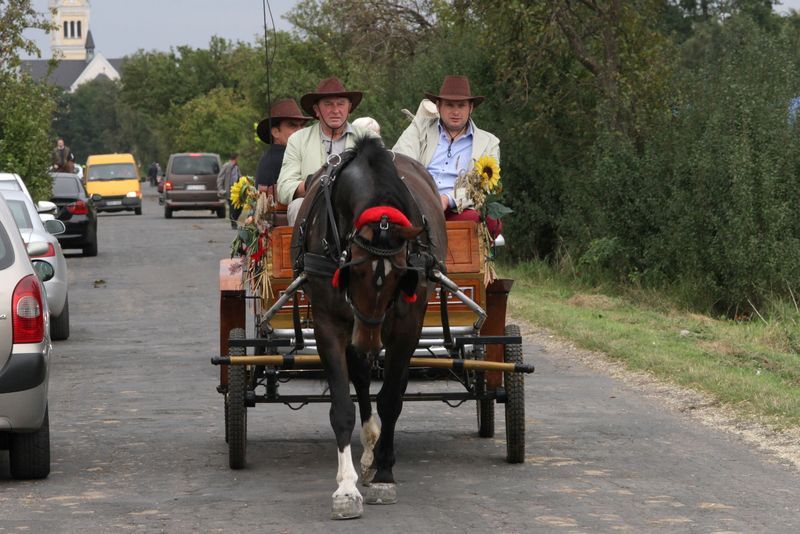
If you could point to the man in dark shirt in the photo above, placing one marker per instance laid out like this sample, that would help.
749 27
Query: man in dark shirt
284 119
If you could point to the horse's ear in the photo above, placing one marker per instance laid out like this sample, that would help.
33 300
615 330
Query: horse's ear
409 232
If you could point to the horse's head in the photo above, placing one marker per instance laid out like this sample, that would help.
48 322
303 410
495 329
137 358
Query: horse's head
376 273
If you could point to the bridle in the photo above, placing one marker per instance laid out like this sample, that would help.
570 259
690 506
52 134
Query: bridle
388 216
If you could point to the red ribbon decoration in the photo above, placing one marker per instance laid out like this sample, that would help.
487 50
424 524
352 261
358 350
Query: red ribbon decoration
335 279
410 298
374 214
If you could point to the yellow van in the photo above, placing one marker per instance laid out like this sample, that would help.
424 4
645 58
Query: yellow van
115 177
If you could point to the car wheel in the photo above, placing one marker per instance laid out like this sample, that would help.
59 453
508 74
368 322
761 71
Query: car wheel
167 212
59 326
137 211
90 248
29 453
221 212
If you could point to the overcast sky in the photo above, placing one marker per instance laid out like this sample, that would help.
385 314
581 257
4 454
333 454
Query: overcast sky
121 27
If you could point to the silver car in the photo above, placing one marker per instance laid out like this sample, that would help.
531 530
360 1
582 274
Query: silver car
34 230
24 352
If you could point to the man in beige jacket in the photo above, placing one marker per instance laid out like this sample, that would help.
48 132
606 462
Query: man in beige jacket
450 143
308 149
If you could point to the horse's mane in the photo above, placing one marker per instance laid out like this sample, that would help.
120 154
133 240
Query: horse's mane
370 160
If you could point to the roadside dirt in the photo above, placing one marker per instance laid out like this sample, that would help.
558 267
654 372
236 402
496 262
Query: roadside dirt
783 446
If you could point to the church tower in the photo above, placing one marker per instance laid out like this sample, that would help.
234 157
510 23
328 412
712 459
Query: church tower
71 18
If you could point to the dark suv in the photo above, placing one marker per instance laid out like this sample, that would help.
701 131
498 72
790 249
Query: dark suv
190 183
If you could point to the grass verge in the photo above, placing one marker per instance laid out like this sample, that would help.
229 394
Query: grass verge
752 366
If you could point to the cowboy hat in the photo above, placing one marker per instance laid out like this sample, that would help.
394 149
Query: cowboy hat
455 88
326 88
280 110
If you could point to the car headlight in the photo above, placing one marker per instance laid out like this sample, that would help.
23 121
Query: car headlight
133 194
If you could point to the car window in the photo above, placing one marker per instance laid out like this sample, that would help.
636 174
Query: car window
20 213
6 251
112 171
65 187
9 185
195 165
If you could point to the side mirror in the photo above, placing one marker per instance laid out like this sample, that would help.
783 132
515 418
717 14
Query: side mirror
37 248
54 227
44 206
97 197
44 271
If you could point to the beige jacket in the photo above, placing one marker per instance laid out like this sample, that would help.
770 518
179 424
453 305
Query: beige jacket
305 155
420 139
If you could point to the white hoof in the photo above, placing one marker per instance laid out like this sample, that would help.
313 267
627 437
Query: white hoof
381 493
347 507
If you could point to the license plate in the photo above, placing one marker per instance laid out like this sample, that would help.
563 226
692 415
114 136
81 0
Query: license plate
114 203
196 187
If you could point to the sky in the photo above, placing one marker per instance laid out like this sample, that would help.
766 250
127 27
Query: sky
121 27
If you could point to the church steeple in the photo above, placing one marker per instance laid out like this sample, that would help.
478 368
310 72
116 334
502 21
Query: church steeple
69 40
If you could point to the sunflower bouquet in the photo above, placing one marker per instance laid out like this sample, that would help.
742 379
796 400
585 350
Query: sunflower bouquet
479 189
253 233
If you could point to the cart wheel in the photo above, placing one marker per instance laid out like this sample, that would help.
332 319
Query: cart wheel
486 418
236 420
515 402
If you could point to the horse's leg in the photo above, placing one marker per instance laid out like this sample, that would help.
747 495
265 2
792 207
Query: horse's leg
359 369
347 501
390 402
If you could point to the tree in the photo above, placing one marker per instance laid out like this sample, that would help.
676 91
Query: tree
25 107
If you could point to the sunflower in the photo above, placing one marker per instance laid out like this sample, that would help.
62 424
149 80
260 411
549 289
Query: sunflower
489 170
239 192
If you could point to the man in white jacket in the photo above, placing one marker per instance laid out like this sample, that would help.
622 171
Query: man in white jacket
450 143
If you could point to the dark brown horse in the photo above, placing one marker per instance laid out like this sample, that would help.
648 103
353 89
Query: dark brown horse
369 232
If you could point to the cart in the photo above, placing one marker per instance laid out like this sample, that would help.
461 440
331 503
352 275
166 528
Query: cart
465 335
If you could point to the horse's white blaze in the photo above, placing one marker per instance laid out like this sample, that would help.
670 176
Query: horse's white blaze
374 265
346 476
387 266
370 432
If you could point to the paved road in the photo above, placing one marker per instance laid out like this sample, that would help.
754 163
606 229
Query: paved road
137 431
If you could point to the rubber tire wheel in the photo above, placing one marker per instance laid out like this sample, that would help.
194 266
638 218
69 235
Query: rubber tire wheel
236 407
167 213
90 248
137 211
515 402
59 326
29 453
221 212
485 409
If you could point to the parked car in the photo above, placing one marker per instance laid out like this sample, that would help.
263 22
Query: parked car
191 184
24 352
115 177
34 230
75 208
11 181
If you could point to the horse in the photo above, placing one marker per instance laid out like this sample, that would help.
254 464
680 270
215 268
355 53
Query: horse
368 234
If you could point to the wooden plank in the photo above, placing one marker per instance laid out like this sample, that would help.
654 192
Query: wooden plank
463 254
281 238
231 307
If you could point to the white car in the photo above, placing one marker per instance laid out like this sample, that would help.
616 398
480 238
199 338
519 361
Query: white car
25 349
34 230
11 181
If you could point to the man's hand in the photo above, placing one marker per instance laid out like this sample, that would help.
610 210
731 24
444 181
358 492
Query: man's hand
300 191
445 200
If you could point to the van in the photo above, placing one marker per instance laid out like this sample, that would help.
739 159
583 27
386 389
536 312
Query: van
190 183
115 177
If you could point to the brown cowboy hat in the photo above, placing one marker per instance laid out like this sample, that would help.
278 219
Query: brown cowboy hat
280 110
455 88
329 87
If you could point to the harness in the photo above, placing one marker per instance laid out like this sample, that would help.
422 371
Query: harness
337 254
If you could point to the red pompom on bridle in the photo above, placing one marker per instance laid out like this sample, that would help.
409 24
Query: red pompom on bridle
374 214
335 279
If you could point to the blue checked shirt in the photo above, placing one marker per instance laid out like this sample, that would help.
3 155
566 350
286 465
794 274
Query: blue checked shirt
449 159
